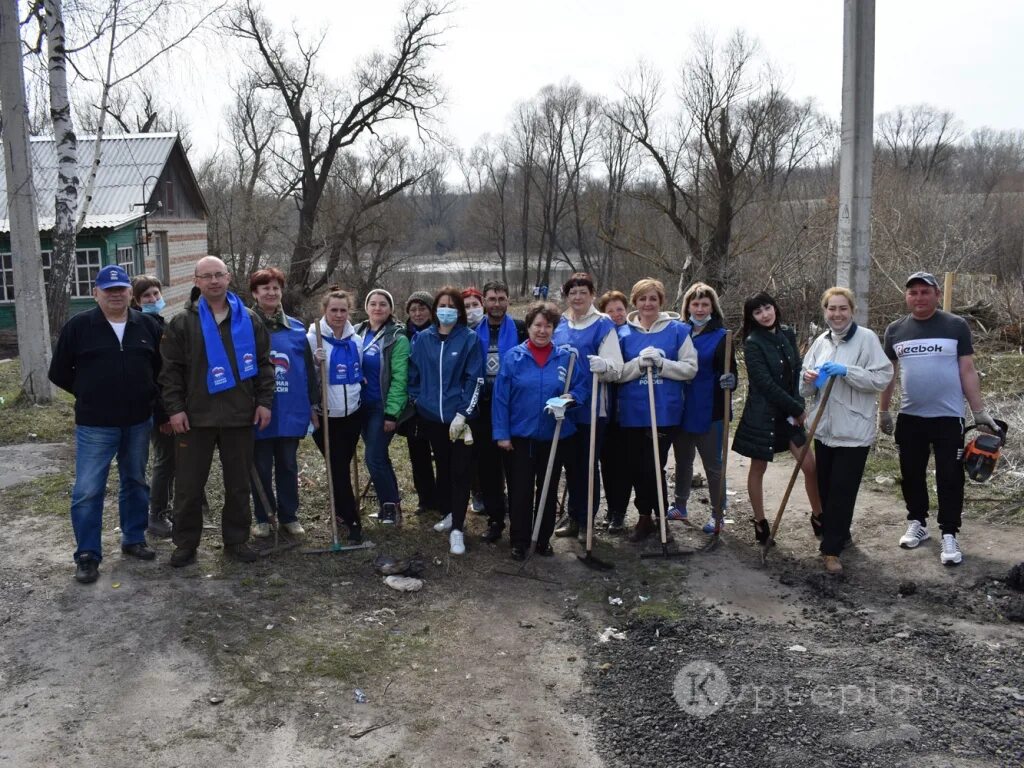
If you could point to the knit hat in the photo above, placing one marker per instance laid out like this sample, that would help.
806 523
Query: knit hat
423 297
382 292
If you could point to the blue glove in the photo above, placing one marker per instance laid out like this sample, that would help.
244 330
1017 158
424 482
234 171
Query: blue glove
727 381
833 369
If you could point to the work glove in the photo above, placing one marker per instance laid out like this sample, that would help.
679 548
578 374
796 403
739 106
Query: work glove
982 419
885 422
320 354
467 435
833 369
556 407
597 363
456 427
727 381
651 357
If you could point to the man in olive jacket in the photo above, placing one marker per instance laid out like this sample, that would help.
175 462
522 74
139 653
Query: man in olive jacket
217 381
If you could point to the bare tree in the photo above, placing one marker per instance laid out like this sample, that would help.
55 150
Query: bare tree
918 139
489 181
30 306
326 119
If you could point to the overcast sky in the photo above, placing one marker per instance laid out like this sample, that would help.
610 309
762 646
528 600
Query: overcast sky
960 56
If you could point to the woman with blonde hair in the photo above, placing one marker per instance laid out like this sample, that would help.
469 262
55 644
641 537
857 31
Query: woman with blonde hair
852 355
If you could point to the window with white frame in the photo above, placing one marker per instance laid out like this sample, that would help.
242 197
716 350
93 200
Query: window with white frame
87 265
126 259
6 277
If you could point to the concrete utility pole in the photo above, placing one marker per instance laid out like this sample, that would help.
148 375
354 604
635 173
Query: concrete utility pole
29 297
853 262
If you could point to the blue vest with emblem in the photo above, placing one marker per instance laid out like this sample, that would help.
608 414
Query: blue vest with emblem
583 341
633 408
701 390
289 416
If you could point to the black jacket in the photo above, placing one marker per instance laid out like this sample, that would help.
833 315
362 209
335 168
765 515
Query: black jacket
114 384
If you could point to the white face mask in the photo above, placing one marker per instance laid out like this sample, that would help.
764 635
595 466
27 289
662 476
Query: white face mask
475 315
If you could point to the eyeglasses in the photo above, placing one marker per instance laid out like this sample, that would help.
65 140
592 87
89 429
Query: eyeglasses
212 276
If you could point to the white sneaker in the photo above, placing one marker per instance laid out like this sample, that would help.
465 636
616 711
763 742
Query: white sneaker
261 530
951 554
456 544
445 525
294 528
916 533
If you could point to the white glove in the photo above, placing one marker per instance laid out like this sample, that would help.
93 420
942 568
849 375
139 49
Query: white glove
467 435
556 407
320 354
885 422
652 357
455 428
597 364
982 419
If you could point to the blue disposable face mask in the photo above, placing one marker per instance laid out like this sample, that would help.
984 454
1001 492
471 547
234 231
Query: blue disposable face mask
700 323
447 315
154 309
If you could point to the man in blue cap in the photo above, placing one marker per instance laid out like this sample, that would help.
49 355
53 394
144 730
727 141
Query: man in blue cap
109 359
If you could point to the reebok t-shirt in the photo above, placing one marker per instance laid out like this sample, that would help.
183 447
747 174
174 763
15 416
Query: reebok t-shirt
929 353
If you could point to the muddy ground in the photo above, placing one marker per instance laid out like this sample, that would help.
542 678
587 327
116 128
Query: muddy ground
722 661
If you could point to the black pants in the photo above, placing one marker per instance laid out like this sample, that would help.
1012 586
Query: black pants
343 433
454 470
839 474
918 437
577 471
640 457
615 475
529 462
422 461
193 455
492 466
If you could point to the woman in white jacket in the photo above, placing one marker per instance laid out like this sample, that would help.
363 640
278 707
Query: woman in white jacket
846 431
342 351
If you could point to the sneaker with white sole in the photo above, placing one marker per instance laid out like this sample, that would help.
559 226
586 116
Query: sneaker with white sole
294 528
951 554
676 512
457 546
261 530
444 525
916 533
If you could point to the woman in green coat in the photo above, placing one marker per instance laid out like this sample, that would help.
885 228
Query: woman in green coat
773 416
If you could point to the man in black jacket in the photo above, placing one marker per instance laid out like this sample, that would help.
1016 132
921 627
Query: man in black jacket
109 359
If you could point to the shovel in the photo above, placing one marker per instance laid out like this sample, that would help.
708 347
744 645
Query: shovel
796 470
589 560
716 537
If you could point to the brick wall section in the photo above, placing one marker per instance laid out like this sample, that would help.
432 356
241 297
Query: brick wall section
186 243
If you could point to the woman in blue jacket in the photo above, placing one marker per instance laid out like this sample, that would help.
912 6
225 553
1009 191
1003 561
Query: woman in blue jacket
532 373
446 372
653 343
703 406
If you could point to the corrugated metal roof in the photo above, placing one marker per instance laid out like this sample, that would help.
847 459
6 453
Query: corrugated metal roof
126 161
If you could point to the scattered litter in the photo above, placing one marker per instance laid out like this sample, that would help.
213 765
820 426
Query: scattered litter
643 598
730 493
33 435
270 626
570 658
907 588
526 624
387 565
293 618
884 480
728 521
116 585
371 729
606 666
216 699
610 633
404 583
797 649
614 601
902 635
358 696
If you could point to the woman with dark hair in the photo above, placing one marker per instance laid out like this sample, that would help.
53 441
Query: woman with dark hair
773 415
614 458
654 343
445 377
524 424
846 431
385 371
342 352
417 310
592 336
276 448
703 406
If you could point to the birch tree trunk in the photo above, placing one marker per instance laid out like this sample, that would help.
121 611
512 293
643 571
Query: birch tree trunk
30 303
62 258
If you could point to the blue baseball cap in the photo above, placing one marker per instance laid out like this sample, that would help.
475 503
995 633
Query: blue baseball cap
112 276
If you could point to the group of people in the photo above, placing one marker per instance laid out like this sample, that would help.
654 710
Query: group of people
483 399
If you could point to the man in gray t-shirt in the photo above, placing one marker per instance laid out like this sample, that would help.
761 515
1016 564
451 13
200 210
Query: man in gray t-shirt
933 358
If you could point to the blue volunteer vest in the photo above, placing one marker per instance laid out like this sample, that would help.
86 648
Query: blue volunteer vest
700 391
290 412
633 408
584 341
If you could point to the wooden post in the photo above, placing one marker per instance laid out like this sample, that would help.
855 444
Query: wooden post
947 292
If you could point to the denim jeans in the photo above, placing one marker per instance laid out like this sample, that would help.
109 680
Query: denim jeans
375 447
95 447
275 459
